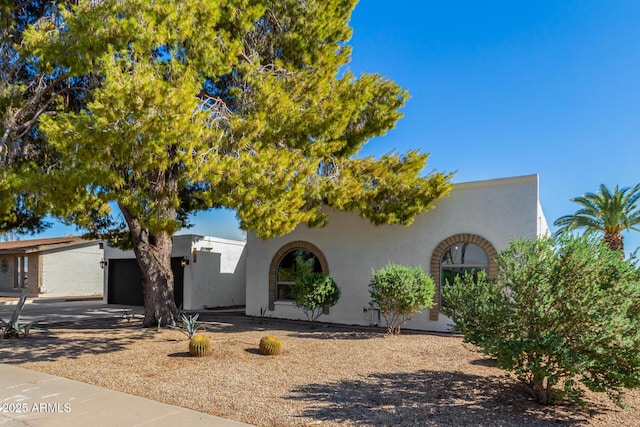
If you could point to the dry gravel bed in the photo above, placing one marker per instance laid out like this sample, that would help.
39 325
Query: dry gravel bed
327 376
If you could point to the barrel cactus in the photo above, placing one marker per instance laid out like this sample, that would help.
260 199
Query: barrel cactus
200 345
270 345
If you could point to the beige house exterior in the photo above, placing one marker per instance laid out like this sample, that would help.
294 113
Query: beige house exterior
54 267
464 232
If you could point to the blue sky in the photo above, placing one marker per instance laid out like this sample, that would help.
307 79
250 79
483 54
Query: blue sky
505 88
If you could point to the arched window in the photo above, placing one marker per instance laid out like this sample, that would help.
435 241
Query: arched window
460 259
456 255
295 263
288 263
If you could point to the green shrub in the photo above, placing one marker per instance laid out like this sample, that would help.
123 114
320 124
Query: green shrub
400 291
312 292
562 314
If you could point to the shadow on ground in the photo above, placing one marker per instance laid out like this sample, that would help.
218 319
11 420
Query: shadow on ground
429 398
47 345
336 335
121 331
294 328
184 354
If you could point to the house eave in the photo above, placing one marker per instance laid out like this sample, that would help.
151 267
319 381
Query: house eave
38 248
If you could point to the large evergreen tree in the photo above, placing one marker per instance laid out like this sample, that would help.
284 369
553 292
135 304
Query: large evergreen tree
24 95
243 104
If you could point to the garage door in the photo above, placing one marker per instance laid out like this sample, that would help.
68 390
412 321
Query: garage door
125 282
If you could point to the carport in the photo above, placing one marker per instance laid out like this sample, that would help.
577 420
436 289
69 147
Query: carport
208 272
125 282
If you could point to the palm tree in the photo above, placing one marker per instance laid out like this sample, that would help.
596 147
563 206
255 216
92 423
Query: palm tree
605 212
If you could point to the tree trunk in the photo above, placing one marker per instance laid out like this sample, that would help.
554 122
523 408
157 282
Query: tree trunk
540 392
153 255
614 241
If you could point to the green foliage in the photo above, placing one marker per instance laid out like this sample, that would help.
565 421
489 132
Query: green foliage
22 100
314 291
605 212
400 291
199 346
303 265
18 208
172 126
562 312
270 346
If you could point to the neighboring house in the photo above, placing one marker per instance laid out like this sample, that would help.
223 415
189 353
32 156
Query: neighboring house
60 266
208 272
464 232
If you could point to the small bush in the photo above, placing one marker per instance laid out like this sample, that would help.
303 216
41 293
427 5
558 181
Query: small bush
400 291
312 292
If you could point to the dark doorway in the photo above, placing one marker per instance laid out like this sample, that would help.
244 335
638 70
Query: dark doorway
125 282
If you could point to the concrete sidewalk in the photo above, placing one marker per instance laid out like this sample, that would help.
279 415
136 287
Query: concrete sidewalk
29 398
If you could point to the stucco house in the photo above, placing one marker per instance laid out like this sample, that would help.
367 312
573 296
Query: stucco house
465 231
208 272
54 267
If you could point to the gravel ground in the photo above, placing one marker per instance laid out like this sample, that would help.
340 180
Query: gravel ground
327 376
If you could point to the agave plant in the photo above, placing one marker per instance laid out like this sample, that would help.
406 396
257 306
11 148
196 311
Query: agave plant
13 328
189 325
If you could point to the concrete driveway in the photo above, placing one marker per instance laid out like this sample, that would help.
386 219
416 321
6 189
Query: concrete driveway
45 311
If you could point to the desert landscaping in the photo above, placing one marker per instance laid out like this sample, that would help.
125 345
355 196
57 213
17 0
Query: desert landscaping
327 375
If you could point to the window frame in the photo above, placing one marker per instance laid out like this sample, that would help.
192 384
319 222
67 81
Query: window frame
275 265
436 257
473 267
317 268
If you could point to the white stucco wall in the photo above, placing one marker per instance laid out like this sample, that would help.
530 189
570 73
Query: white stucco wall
497 210
217 276
543 227
71 271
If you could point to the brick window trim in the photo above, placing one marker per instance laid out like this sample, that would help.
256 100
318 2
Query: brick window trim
436 258
275 262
